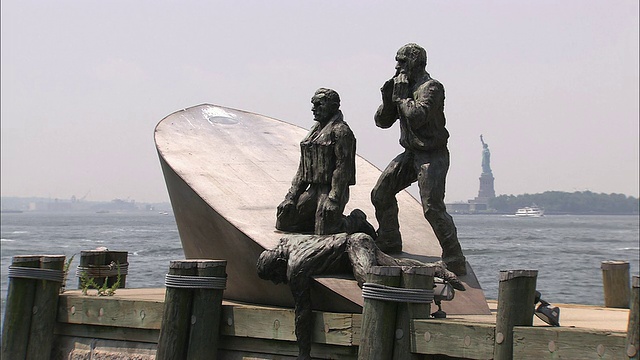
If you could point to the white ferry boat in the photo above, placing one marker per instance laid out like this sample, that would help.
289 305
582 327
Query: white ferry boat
532 211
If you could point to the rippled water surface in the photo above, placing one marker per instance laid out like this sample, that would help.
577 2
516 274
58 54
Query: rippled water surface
566 250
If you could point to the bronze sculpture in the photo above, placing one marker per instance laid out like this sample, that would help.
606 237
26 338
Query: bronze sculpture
319 192
297 258
314 204
417 101
320 189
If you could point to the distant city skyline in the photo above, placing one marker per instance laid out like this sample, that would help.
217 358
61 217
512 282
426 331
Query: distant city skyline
552 86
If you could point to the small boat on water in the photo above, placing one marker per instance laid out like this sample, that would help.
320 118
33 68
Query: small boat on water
530 211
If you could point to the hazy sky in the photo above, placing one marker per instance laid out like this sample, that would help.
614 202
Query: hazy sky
552 85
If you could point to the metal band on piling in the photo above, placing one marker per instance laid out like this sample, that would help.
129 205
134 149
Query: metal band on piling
195 282
103 270
395 294
36 273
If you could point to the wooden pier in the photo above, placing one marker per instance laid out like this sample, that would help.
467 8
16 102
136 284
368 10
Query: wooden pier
190 320
128 324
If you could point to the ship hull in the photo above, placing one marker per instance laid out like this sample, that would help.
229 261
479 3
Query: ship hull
226 172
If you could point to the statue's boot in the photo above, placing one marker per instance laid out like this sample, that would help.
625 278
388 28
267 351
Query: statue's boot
389 241
357 222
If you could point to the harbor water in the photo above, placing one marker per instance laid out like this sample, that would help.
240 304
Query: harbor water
565 249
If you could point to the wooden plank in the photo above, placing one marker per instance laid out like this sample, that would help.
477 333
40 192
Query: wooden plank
567 343
329 328
357 328
333 328
146 294
279 324
335 334
572 315
99 349
285 348
107 332
258 322
110 311
444 337
246 355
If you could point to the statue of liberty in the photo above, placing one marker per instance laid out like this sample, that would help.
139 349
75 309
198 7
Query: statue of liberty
486 157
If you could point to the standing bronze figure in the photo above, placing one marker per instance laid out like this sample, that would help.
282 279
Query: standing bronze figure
320 189
417 101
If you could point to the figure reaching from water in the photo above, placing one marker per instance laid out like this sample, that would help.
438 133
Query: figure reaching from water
320 189
417 101
297 258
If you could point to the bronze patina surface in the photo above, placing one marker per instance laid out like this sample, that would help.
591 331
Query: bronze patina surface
226 171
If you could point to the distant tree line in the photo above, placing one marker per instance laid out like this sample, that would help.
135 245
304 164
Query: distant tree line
558 202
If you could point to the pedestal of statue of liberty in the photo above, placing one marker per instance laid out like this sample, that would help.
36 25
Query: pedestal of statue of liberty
486 178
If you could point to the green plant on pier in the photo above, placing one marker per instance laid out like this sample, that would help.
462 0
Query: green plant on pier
65 269
87 283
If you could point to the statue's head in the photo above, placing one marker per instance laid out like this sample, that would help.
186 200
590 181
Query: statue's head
411 59
272 266
326 103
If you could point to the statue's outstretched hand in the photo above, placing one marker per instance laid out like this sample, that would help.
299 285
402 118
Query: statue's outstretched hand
448 276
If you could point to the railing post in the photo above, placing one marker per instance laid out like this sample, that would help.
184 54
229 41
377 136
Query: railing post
633 327
174 331
45 308
206 312
516 297
96 265
379 317
32 303
615 280
17 316
412 278
193 306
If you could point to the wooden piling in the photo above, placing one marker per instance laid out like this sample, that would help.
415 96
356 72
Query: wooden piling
615 279
633 327
17 316
173 340
516 296
412 278
96 264
379 317
45 307
206 312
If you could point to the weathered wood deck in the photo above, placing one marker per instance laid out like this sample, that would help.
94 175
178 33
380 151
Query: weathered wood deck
128 324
